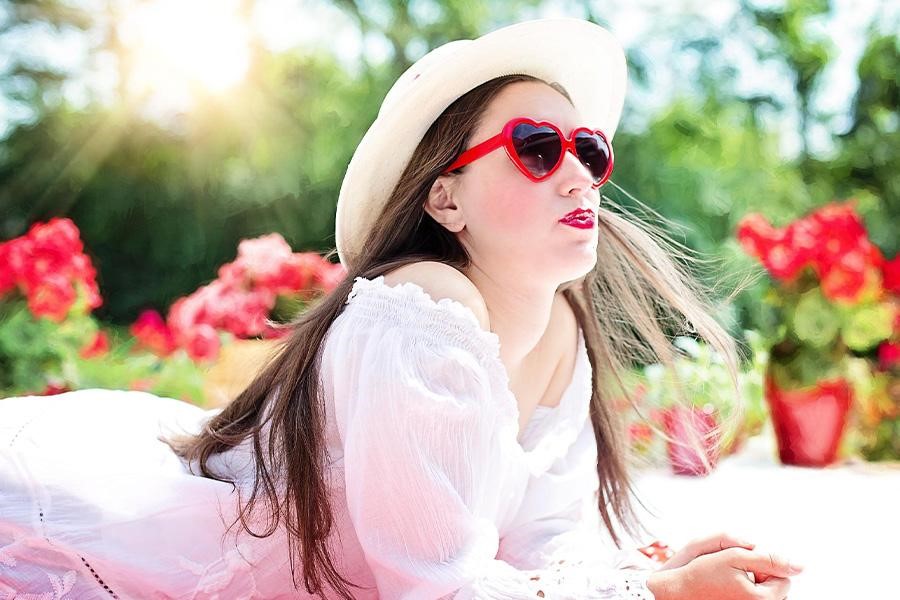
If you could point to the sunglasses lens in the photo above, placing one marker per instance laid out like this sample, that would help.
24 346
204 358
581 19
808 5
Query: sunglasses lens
537 147
594 152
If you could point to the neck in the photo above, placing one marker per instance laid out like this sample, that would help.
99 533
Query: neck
519 308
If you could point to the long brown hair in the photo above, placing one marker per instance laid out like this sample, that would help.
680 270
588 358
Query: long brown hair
622 306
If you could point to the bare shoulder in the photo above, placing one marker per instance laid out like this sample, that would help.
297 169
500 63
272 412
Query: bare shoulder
440 281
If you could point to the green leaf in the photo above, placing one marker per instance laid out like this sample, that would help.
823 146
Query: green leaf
815 322
868 326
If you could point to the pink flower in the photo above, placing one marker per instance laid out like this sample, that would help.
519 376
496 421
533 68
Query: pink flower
246 313
202 343
142 385
262 258
686 426
329 275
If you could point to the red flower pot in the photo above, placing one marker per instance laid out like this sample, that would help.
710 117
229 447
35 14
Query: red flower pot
809 422
679 422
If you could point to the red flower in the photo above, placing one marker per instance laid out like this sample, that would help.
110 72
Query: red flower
846 279
51 298
8 275
48 265
640 433
784 252
152 333
888 355
298 274
756 235
97 347
783 260
53 389
58 235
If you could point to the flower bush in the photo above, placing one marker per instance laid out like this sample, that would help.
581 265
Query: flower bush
266 280
837 299
51 343
710 391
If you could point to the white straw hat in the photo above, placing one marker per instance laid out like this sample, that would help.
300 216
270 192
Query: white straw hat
582 56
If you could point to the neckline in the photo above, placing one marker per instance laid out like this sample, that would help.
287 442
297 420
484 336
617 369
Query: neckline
488 346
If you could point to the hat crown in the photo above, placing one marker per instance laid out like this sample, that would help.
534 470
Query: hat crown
417 72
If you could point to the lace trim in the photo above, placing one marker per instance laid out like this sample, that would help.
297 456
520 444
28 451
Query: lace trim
629 585
636 585
459 324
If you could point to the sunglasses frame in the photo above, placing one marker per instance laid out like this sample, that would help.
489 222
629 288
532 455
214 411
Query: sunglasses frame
504 139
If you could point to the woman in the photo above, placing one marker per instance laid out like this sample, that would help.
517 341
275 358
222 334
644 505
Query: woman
439 425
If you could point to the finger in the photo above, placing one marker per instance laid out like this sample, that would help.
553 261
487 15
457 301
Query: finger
776 588
762 563
717 543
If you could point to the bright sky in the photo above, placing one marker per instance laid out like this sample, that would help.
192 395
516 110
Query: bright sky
174 57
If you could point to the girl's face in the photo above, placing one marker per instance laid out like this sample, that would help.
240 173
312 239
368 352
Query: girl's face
512 224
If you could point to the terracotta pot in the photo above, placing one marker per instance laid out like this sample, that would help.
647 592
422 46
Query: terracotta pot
238 363
809 422
679 422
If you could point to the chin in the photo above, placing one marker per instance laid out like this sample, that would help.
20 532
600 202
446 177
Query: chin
576 268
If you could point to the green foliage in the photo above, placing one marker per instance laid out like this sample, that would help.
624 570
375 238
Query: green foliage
36 353
161 206
814 320
33 351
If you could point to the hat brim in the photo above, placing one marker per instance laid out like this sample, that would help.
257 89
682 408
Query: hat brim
581 56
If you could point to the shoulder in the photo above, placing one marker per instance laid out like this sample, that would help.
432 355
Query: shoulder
441 281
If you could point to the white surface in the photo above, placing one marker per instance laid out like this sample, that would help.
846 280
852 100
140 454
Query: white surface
842 523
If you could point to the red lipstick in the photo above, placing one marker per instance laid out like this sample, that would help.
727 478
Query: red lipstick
581 218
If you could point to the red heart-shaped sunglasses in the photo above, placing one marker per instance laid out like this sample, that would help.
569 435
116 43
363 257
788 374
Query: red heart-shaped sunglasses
537 148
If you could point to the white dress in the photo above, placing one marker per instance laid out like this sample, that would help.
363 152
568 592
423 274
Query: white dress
434 492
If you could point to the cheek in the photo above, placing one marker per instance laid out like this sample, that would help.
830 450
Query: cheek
511 210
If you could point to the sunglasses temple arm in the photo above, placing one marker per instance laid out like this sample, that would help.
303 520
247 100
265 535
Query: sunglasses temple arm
476 152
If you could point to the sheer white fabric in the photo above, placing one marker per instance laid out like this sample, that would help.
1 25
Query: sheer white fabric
435 494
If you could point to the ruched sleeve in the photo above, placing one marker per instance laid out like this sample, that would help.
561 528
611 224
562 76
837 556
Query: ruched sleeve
433 470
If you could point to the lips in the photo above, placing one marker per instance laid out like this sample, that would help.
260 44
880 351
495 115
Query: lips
581 218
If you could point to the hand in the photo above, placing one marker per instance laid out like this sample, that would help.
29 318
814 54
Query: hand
723 575
704 545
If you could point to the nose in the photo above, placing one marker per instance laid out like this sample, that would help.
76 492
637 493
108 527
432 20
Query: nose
574 177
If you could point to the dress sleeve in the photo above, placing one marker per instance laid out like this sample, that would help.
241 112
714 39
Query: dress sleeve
558 526
427 454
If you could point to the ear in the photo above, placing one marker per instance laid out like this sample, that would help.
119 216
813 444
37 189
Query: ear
442 206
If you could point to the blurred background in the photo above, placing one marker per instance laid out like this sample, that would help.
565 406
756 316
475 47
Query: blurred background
169 130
